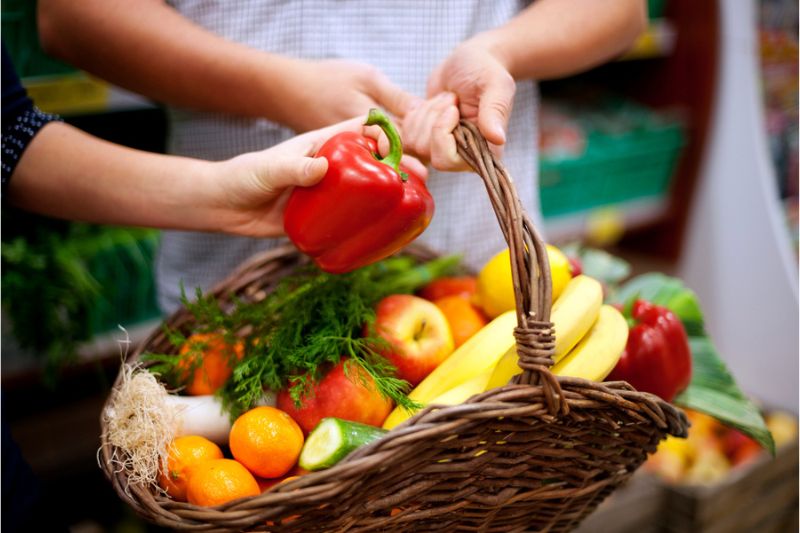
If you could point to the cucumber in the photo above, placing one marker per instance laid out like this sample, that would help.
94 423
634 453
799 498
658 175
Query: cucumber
333 439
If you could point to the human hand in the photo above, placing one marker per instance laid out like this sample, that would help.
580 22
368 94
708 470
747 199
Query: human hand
328 91
428 132
250 191
480 79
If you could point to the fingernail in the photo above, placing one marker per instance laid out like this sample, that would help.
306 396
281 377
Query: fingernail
500 132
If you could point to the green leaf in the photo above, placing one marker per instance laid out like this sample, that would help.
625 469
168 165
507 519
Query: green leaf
714 392
667 292
599 264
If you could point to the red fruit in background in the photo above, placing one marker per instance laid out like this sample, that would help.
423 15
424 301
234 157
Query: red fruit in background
739 448
350 396
465 286
575 266
417 332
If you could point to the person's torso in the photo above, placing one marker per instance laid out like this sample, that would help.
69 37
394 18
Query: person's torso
406 41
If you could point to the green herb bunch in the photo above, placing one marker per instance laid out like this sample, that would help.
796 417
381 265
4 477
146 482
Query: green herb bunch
310 321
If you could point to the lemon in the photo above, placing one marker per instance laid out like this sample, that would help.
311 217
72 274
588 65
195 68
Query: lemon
496 288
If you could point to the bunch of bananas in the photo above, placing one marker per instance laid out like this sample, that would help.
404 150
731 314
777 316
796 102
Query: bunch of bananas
590 338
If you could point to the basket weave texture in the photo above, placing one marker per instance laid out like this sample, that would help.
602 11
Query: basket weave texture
538 454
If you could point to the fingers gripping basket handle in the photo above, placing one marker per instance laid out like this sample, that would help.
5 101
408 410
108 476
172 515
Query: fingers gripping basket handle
530 267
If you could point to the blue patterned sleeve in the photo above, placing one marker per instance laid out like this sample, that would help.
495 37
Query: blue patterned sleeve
21 120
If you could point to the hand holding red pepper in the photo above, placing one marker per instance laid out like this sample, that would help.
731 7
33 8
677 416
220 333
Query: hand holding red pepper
364 209
657 357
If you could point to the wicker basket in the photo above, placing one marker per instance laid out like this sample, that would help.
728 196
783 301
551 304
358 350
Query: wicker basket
537 454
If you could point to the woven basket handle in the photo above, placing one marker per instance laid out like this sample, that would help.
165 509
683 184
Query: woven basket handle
530 267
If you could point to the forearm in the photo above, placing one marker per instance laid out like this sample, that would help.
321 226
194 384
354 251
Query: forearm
150 48
555 38
68 174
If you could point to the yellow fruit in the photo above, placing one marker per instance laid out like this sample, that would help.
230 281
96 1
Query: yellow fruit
455 396
496 288
783 427
597 353
267 441
477 355
572 315
575 312
461 393
184 454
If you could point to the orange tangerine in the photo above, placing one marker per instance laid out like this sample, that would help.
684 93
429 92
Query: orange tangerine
267 441
210 360
464 318
185 453
218 481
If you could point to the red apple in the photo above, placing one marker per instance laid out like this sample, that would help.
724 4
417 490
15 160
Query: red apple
350 397
465 286
418 334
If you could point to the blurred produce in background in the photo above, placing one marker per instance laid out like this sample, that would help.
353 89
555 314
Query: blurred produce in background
779 59
604 150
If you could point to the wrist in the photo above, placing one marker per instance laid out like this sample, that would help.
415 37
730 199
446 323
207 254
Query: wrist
495 42
281 85
195 198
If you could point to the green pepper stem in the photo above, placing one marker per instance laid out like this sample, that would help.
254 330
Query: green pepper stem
377 117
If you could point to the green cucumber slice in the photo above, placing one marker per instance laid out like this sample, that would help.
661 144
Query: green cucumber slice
333 439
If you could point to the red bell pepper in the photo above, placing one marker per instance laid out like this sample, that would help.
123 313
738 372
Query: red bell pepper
657 358
364 208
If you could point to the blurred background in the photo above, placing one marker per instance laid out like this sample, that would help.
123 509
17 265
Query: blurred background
680 156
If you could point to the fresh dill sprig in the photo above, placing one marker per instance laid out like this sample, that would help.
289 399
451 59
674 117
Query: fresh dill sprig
308 324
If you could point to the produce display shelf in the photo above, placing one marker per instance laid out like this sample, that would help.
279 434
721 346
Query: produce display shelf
631 215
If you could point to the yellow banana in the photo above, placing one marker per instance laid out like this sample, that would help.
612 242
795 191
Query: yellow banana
479 354
572 315
597 353
457 395
575 312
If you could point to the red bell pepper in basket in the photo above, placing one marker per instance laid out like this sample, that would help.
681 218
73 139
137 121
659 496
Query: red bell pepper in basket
364 209
657 357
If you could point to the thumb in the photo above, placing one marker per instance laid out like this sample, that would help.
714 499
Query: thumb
494 108
284 172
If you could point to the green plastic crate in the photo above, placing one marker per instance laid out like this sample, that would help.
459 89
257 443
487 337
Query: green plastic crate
655 8
615 167
21 38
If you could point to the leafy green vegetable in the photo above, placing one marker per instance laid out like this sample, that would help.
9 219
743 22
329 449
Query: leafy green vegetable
599 264
668 292
305 326
63 282
712 389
